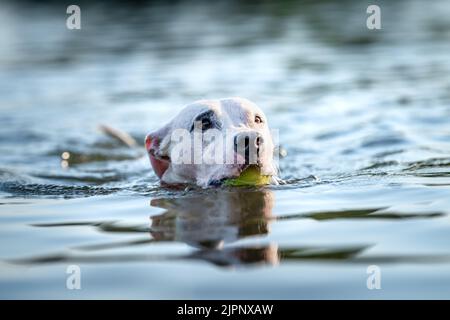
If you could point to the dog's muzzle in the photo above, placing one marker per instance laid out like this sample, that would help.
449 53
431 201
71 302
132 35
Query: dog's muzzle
248 145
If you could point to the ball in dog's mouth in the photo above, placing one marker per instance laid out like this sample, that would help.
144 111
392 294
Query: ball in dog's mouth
250 176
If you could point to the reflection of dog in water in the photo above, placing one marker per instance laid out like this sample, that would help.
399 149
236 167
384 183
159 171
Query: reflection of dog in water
211 221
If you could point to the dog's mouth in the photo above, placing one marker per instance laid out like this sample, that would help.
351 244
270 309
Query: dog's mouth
243 172
236 175
220 182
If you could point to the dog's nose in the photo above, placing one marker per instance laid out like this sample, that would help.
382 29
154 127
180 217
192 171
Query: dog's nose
248 145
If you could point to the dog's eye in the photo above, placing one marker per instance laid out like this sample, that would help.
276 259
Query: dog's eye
206 124
258 119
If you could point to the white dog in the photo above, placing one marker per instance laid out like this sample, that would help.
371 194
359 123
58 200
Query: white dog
210 141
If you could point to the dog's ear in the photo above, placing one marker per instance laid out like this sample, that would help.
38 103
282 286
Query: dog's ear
157 150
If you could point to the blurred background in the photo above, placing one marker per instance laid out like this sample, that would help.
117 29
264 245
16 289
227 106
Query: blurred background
363 114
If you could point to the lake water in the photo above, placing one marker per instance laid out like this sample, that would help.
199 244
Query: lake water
363 114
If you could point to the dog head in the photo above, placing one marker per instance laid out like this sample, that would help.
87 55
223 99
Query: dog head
210 141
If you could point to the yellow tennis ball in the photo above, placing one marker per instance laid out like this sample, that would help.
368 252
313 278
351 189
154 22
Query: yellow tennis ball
249 177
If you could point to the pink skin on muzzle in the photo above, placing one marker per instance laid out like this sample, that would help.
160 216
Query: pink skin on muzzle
159 165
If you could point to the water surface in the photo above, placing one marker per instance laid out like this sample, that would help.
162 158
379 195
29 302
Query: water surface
364 116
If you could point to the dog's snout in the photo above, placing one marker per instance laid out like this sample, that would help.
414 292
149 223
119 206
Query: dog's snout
248 145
